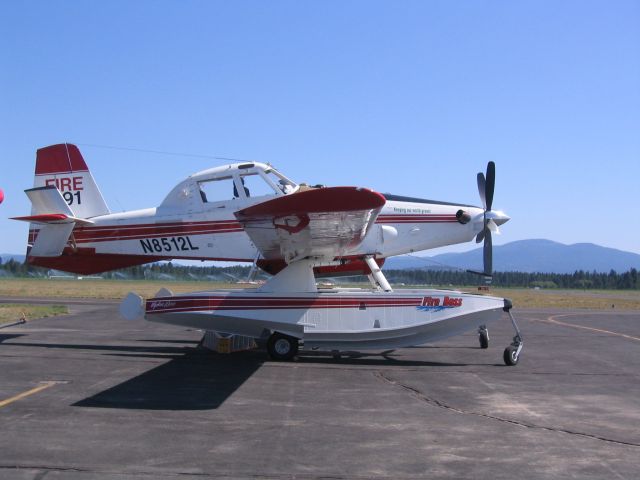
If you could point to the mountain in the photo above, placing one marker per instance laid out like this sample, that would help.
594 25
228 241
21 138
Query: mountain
530 256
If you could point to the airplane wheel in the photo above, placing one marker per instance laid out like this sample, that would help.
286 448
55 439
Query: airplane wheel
282 347
510 355
484 338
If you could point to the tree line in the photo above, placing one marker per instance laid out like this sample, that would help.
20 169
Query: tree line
580 279
168 271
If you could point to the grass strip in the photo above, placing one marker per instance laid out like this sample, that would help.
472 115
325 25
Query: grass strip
12 312
118 289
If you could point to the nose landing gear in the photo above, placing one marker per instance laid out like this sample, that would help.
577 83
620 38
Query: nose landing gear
512 352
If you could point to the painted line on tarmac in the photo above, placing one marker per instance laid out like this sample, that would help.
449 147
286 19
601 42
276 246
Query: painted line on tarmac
20 396
552 319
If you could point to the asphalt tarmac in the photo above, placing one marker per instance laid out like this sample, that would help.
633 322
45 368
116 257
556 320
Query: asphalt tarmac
90 396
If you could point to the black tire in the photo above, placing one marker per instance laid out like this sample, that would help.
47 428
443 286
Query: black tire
484 339
510 357
282 347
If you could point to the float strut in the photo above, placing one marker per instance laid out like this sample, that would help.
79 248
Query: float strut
377 274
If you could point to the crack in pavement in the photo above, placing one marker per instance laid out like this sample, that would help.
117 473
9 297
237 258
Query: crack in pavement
45 470
414 392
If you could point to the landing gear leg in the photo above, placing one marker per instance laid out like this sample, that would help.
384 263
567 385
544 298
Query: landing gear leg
483 336
512 352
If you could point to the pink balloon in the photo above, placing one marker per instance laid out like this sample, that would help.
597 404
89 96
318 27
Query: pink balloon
1 195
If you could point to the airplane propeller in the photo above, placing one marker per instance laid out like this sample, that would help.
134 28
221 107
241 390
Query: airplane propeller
486 186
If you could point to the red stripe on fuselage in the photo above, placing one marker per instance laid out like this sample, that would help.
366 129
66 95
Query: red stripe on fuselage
195 304
399 218
108 233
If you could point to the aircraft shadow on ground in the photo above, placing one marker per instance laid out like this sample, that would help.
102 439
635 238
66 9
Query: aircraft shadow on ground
191 379
202 380
196 380
9 336
386 358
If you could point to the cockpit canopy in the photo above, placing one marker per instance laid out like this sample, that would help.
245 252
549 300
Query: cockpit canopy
236 181
244 180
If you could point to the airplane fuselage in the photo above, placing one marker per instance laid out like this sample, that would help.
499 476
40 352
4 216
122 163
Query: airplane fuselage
197 219
213 233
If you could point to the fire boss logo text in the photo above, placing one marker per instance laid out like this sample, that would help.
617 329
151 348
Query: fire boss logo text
161 304
436 304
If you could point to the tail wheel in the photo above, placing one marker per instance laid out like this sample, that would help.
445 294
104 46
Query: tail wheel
282 347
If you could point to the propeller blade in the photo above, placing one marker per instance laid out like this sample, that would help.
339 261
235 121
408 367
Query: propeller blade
481 189
486 186
490 184
488 254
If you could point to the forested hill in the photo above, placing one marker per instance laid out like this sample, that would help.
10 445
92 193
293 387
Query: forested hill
172 272
530 256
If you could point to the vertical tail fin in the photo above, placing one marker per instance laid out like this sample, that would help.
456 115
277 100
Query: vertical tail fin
62 166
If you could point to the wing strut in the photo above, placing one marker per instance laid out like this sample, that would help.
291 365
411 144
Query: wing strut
379 278
251 277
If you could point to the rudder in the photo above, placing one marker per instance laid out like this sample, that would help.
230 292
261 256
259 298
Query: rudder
62 166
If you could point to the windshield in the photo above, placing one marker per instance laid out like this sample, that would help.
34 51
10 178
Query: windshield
279 181
256 186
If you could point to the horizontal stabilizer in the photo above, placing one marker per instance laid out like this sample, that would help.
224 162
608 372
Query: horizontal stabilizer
57 220
49 207
51 240
45 200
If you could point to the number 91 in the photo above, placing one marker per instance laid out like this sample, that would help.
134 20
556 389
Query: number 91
69 198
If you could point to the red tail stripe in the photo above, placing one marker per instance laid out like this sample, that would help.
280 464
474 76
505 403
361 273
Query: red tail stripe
61 158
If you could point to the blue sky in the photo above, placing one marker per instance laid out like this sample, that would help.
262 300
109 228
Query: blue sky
406 97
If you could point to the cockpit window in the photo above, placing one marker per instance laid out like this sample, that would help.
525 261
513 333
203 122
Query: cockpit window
244 181
218 190
256 185
281 182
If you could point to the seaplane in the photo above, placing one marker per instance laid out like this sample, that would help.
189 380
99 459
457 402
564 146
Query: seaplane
250 212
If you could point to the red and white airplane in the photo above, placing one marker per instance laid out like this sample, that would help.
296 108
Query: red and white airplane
250 212
73 230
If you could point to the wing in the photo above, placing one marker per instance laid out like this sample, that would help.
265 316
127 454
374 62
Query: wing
323 222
